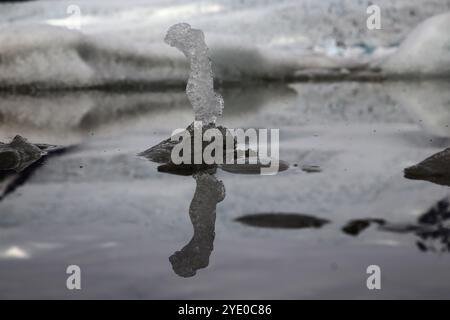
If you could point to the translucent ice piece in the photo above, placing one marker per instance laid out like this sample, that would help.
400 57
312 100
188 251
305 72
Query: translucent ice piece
207 104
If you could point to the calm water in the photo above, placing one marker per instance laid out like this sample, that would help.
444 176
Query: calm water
103 208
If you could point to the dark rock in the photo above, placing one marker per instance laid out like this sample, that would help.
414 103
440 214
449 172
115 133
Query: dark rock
435 169
161 153
19 154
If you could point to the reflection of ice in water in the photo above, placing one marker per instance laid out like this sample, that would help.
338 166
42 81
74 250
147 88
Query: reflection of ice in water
427 102
207 104
195 255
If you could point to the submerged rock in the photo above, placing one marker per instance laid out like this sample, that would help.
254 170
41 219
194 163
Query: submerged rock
435 169
282 220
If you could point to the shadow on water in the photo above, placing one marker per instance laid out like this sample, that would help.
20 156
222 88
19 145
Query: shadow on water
282 220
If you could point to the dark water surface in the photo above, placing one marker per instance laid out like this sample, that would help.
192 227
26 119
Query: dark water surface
139 233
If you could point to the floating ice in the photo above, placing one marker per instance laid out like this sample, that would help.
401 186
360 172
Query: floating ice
207 104
248 41
426 51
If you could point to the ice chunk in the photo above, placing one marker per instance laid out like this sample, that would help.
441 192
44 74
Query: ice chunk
426 51
207 104
248 41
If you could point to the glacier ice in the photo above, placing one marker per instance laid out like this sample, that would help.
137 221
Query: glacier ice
426 50
248 41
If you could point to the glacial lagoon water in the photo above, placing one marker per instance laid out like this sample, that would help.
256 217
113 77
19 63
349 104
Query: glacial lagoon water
292 235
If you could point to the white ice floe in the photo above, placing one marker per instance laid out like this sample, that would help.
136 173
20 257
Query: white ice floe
123 42
426 50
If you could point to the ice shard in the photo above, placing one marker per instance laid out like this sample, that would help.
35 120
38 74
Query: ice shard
207 104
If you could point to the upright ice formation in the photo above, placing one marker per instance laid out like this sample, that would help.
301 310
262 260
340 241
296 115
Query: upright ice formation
207 104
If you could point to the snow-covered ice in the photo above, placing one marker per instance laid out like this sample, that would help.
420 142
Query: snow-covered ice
252 40
426 50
